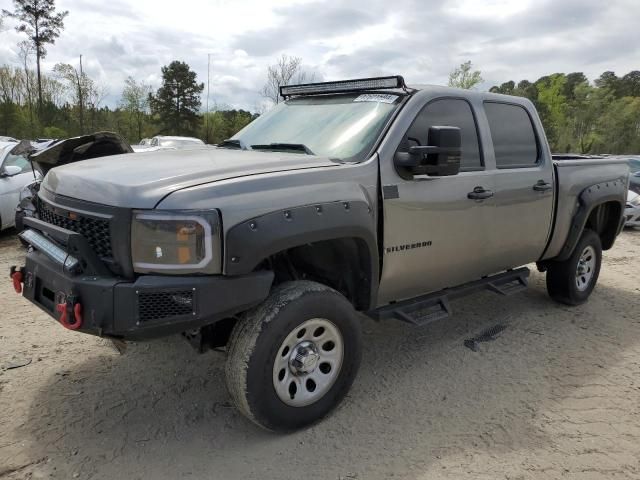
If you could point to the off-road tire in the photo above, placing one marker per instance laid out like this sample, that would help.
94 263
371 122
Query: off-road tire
256 340
561 276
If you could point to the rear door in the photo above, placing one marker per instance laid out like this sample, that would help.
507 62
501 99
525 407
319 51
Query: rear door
435 236
523 186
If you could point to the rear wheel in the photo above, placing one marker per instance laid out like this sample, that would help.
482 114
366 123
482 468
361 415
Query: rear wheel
572 281
293 358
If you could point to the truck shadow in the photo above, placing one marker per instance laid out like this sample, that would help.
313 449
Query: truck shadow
162 411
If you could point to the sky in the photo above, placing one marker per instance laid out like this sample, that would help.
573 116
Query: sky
421 40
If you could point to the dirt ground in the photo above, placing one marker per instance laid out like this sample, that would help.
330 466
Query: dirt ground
556 395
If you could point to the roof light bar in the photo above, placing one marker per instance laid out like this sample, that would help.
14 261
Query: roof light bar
343 86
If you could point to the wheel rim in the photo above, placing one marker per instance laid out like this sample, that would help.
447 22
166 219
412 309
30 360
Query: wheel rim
308 362
586 268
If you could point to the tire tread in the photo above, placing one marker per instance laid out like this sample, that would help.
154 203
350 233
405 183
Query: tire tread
245 335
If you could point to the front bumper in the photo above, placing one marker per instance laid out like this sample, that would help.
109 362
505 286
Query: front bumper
151 306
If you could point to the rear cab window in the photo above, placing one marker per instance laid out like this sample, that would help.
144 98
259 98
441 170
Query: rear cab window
514 139
449 112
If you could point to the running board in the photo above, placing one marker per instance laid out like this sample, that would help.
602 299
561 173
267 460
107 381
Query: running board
435 306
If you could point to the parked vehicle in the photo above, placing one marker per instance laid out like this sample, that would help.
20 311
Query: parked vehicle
8 140
354 196
143 146
15 173
175 142
632 209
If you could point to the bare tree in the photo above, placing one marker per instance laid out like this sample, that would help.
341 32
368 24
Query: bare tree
82 89
463 77
288 71
26 49
135 101
10 79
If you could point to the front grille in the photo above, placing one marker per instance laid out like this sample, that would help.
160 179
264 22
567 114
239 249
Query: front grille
96 231
160 305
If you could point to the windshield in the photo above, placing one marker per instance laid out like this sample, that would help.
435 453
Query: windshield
342 127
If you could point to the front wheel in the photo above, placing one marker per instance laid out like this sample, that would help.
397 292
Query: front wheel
572 281
293 358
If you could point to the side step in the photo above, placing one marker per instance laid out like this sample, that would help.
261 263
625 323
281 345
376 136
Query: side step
428 308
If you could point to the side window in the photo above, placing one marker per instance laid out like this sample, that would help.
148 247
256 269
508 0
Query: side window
16 161
514 140
449 112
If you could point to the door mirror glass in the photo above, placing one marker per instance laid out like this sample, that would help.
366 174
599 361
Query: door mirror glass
10 171
441 157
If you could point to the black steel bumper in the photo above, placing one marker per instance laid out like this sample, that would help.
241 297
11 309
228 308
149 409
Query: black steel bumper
151 306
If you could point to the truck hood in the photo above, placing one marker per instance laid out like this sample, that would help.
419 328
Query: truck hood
141 180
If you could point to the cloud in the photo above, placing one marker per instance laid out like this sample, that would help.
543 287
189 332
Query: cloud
420 39
302 23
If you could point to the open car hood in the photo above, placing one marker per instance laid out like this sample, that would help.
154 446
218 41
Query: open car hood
70 150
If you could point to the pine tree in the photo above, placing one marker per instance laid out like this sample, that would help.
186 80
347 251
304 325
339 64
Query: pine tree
177 101
40 22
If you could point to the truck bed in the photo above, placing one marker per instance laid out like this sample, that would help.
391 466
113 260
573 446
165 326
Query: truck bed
572 177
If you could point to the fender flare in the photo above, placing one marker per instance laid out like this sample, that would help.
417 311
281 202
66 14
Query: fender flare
590 198
250 242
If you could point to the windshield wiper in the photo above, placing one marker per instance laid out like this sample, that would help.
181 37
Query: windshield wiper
285 147
233 143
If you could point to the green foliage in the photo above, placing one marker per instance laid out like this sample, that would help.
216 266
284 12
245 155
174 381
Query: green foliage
584 118
464 77
135 103
222 124
54 132
177 101
72 107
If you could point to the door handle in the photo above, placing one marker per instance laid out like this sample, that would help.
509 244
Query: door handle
479 193
542 186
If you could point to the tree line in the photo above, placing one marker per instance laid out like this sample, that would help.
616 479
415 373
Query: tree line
67 102
72 104
584 117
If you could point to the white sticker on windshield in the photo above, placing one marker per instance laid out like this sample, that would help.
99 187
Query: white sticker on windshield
376 97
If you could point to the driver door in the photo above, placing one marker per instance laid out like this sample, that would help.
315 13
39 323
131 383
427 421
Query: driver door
435 236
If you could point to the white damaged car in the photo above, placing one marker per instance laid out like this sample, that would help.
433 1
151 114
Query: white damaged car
15 174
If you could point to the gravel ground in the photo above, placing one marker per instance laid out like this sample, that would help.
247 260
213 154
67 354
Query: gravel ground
556 395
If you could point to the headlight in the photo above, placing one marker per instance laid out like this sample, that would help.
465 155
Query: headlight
176 242
27 191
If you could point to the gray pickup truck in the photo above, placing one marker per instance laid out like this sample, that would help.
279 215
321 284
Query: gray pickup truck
347 198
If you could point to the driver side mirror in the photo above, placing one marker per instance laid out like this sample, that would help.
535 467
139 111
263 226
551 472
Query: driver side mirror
440 158
10 171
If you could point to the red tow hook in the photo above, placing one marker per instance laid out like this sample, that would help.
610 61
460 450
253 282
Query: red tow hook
70 313
17 281
17 278
62 309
